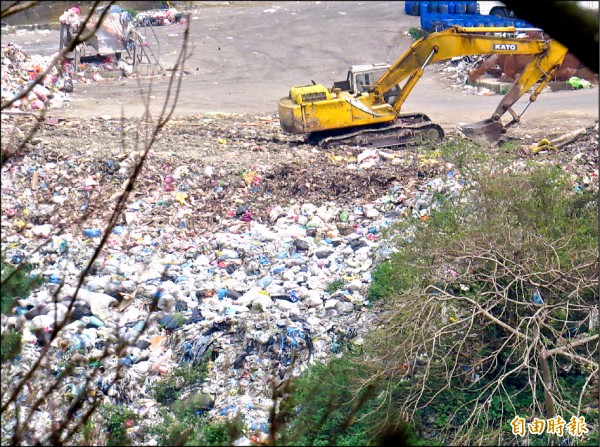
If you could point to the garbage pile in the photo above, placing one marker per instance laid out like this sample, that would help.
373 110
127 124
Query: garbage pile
161 17
72 20
456 74
463 72
237 235
20 69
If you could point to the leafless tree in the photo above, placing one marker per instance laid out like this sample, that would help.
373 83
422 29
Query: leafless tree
499 315
21 396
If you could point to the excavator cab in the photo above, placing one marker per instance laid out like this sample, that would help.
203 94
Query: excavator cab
363 77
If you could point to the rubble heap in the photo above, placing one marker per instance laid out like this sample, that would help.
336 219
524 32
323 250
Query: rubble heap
20 69
234 230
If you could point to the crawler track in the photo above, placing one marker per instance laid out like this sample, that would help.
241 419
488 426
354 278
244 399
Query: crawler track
412 129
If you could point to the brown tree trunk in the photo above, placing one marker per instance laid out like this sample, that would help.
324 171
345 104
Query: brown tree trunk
547 377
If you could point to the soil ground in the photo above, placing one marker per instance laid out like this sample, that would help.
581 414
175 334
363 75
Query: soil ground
244 56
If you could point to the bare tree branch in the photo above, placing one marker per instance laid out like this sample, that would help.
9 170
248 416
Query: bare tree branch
17 7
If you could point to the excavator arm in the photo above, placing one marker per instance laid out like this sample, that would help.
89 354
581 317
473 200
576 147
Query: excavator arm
541 68
316 110
461 41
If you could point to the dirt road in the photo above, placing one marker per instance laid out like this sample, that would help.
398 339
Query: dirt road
246 55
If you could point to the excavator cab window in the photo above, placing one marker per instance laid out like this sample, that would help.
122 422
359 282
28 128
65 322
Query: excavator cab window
365 81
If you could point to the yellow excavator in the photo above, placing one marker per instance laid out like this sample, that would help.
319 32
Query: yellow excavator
365 108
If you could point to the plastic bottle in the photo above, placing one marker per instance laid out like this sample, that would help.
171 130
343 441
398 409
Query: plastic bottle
54 279
228 409
278 270
126 361
264 282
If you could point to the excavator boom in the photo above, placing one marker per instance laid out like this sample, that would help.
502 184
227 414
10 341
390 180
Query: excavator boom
336 116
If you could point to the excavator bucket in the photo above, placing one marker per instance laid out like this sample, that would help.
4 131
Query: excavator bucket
486 131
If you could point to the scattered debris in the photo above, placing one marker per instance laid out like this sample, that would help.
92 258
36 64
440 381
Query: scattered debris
161 17
561 141
237 241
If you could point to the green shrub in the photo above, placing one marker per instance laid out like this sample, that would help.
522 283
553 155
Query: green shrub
170 430
16 284
507 235
166 392
329 407
193 406
334 286
117 418
392 276
170 389
465 155
11 344
184 427
219 433
181 423
417 33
